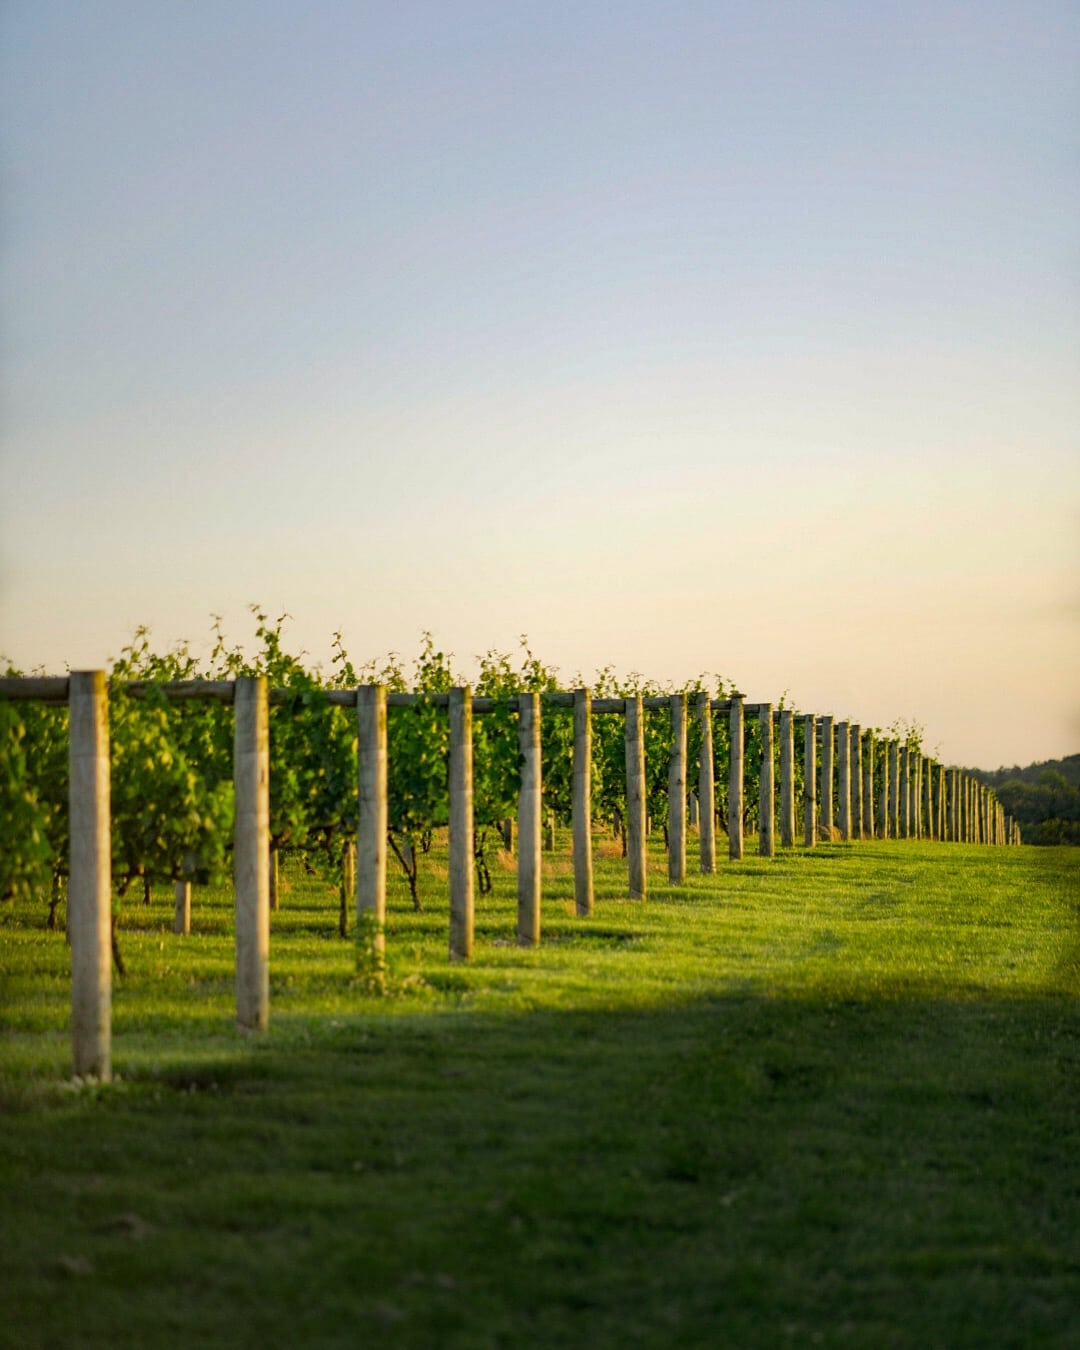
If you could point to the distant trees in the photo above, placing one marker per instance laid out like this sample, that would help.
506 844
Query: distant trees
1044 798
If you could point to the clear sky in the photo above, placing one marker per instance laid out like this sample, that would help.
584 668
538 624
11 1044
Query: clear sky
679 336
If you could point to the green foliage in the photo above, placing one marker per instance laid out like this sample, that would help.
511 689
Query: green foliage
24 869
171 770
34 820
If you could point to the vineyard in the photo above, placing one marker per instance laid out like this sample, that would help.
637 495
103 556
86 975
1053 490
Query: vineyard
173 771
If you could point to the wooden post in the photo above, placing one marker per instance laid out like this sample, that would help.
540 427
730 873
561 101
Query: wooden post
928 795
677 792
371 832
905 792
275 878
868 786
635 798
549 832
894 790
856 778
917 794
735 784
182 914
826 793
787 779
530 803
706 790
843 775
692 807
583 868
89 908
251 852
954 806
810 780
766 788
462 904
941 800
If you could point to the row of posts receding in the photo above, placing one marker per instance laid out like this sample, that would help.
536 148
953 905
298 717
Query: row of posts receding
916 798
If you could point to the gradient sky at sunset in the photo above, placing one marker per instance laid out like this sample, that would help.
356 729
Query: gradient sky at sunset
679 336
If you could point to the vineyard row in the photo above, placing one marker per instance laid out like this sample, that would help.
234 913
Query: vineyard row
861 789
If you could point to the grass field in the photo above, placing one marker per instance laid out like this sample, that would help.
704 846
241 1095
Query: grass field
826 1100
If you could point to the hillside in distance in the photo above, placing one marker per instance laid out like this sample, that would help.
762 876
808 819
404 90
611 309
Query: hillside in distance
1043 797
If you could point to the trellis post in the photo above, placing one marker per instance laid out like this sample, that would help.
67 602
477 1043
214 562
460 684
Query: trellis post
182 908
90 875
735 783
530 800
371 833
635 798
843 775
583 867
766 788
894 789
787 778
826 793
869 751
251 852
856 771
462 901
905 792
810 780
677 792
706 790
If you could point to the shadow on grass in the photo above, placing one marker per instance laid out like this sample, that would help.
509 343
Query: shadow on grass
734 1171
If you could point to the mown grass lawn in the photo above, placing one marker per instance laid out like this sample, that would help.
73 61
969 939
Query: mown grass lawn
830 1099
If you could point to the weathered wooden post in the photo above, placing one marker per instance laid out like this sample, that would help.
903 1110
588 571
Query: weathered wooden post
928 798
868 786
826 793
677 792
737 747
919 795
462 901
787 779
635 798
89 910
954 806
275 878
766 788
905 792
810 780
251 852
583 868
885 799
182 912
530 802
856 782
706 790
894 789
693 809
371 830
843 775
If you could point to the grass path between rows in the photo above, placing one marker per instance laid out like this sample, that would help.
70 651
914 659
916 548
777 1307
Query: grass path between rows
831 1099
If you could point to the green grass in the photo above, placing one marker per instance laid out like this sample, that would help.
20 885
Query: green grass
826 1100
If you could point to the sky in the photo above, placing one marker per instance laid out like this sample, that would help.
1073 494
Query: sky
680 337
